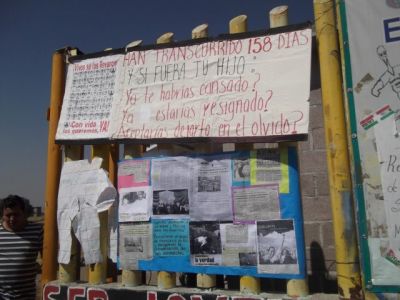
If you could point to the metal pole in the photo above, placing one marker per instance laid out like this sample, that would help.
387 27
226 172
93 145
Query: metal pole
348 274
49 268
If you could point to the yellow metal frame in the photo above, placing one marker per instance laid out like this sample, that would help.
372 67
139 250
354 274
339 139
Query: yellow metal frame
50 247
347 264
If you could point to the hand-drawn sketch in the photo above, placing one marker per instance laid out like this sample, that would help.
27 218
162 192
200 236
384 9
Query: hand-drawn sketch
390 76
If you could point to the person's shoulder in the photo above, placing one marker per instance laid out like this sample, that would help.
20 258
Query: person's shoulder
34 226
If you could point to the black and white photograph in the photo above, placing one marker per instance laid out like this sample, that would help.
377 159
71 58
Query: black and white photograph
205 238
132 197
171 202
134 204
248 259
209 184
241 169
133 244
277 251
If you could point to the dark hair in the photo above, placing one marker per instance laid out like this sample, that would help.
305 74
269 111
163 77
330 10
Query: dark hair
12 201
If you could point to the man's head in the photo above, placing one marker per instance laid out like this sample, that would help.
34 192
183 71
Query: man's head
15 211
271 252
382 53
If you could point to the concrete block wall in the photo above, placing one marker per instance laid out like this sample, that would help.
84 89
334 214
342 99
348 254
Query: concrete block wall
318 227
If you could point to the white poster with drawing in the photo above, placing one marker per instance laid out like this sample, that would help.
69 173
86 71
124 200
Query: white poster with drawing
388 146
375 72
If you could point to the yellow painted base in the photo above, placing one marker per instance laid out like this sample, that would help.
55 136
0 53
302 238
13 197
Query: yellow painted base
131 278
250 285
166 280
297 288
206 281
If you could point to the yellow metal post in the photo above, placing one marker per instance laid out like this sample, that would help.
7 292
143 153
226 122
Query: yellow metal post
248 284
238 24
165 38
49 268
69 272
348 274
279 16
200 31
98 271
165 280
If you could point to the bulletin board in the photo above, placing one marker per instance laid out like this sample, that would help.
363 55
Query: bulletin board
236 213
373 92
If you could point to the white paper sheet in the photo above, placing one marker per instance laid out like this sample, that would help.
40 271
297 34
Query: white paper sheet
135 243
211 187
256 203
135 204
239 246
85 190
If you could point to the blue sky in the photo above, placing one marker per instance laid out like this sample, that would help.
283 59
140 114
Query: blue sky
30 32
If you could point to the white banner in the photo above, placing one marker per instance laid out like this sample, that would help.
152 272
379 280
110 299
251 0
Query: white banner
229 88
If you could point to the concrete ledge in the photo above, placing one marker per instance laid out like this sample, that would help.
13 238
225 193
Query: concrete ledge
79 291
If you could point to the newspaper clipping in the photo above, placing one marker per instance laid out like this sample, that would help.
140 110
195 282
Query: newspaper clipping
267 166
170 173
277 247
205 243
241 171
170 237
133 173
255 203
135 204
211 186
239 244
135 243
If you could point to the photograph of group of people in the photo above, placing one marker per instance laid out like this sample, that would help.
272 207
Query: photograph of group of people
276 244
171 202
